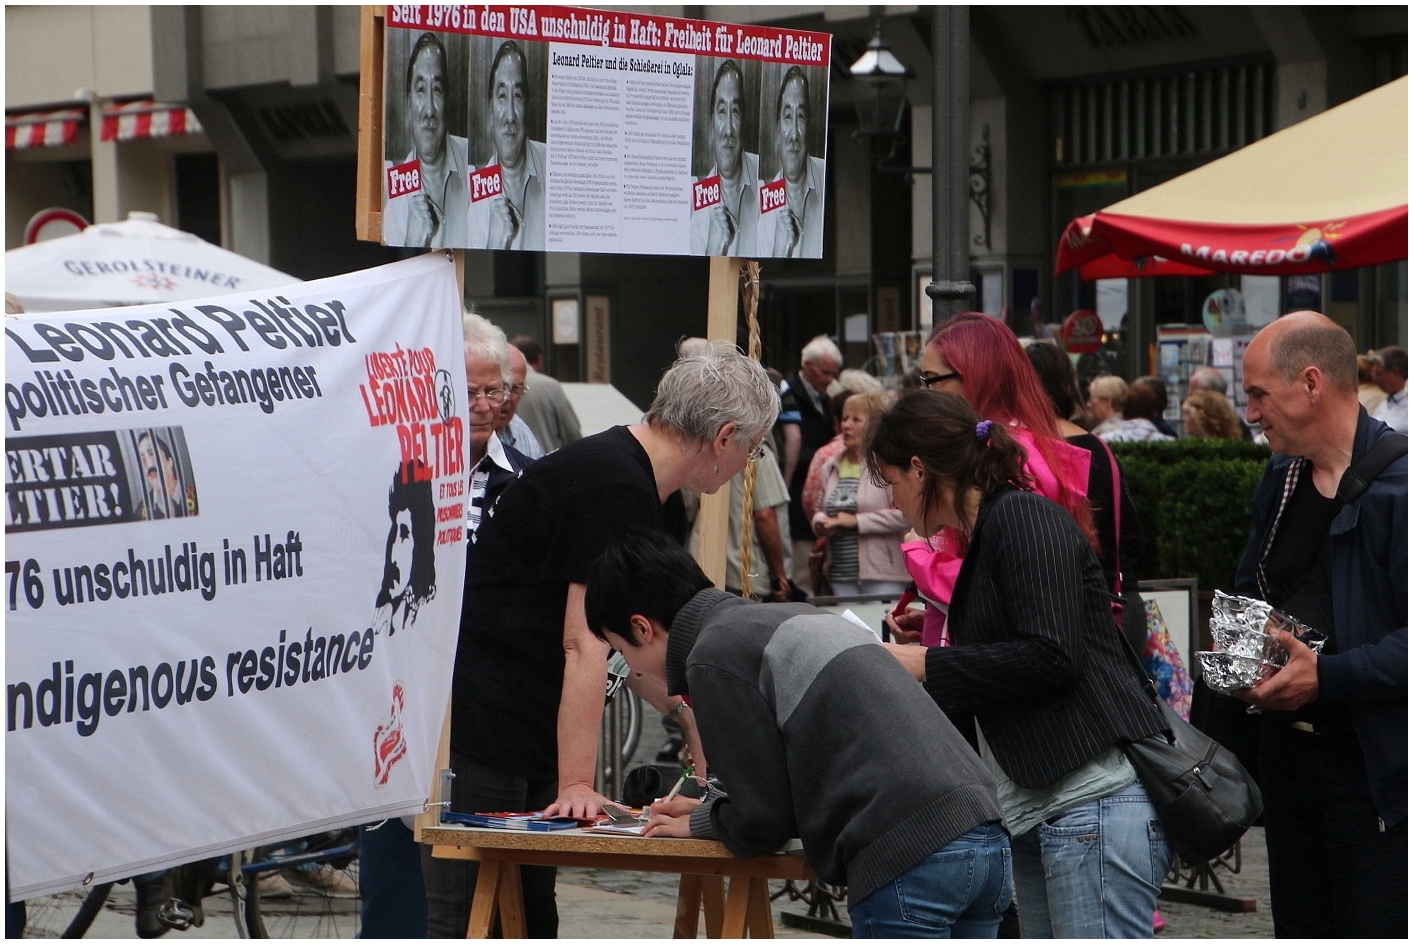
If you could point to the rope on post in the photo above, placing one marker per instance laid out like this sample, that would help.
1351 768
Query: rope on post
750 296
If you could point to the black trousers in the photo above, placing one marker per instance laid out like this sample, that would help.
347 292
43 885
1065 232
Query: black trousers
1334 874
451 882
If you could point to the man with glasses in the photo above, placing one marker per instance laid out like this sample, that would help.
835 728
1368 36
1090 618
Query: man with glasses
494 464
512 430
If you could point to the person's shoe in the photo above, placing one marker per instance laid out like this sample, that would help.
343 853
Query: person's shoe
1158 922
273 885
326 880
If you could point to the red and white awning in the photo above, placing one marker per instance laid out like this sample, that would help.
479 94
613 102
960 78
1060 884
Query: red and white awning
1328 193
147 119
39 129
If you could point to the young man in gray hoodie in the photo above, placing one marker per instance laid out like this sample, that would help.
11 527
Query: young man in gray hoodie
814 732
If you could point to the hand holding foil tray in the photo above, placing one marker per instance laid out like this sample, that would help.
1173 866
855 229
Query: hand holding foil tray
1246 652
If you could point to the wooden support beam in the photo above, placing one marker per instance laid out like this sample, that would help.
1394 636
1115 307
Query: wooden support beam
722 292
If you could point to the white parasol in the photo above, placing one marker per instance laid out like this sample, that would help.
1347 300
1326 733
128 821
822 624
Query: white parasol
136 262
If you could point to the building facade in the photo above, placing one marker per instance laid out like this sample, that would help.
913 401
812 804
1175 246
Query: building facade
1071 109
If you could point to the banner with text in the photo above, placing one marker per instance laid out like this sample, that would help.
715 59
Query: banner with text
234 560
574 130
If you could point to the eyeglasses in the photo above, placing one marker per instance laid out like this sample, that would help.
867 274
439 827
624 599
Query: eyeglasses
495 396
927 380
757 453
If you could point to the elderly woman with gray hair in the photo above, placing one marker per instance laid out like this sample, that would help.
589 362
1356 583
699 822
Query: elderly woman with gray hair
530 678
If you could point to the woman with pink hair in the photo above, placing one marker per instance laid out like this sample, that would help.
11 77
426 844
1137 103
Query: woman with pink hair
977 357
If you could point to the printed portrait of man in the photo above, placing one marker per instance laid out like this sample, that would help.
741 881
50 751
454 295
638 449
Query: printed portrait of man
165 494
428 210
727 226
409 559
514 218
795 228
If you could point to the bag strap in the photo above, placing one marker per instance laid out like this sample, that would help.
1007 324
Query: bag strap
1117 509
1370 466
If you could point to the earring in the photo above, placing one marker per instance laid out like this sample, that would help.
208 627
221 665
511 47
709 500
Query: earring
716 468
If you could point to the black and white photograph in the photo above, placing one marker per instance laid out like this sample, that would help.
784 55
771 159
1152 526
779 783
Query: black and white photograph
509 85
725 157
425 160
794 108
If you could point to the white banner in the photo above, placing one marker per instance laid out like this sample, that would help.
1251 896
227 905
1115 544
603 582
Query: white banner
234 561
556 128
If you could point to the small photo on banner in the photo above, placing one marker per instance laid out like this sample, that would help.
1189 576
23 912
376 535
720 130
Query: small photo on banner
83 479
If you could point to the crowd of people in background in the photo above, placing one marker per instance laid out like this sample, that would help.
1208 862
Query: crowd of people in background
984 497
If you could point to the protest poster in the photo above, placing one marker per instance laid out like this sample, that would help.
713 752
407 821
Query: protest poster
235 548
576 130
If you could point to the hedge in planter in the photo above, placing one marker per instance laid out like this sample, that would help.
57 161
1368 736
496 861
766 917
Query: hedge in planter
1194 502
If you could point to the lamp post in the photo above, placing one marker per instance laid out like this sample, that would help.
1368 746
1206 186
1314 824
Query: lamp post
951 284
880 96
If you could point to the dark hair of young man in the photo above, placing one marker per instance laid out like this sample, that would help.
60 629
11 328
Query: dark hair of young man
646 573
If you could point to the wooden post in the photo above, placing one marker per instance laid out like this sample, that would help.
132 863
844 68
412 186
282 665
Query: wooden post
722 291
368 199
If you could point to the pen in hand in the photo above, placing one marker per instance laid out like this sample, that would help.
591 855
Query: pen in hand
681 782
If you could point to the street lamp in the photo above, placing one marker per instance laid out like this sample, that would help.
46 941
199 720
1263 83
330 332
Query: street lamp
880 95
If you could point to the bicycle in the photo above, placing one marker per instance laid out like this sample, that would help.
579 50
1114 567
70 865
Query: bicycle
226 887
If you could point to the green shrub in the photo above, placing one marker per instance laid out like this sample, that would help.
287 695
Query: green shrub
1194 503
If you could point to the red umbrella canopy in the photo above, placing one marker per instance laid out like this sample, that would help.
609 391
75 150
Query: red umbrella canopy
1328 193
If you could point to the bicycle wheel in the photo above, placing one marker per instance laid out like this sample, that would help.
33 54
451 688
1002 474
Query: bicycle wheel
67 914
307 889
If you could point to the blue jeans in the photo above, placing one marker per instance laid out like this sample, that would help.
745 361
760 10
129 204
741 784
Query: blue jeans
1094 870
961 890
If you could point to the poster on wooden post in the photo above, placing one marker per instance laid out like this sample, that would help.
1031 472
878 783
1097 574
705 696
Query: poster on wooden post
575 130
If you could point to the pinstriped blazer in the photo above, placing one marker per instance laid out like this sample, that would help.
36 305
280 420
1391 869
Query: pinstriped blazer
1035 654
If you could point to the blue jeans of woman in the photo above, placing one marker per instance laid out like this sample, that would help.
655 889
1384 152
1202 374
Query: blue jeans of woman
1094 870
961 890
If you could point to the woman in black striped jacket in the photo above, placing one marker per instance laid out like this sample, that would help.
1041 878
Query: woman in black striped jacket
1037 661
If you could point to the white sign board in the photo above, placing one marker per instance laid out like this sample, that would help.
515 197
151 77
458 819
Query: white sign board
558 128
234 560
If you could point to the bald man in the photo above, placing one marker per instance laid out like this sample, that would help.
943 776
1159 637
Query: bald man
1334 732
514 431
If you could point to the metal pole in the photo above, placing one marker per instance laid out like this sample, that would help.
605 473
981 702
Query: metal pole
951 289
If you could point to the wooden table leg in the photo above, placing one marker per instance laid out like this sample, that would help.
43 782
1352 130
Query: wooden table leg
483 900
512 903
759 921
689 905
713 903
733 922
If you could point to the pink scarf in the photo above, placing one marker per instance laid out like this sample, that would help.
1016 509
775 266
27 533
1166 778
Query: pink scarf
934 568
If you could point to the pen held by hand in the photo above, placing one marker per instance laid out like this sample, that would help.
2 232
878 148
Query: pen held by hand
681 782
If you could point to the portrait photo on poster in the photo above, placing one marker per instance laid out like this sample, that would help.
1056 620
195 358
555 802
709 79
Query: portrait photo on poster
168 483
794 111
509 91
425 160
725 156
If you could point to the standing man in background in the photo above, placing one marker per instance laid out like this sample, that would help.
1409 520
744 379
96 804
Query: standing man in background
805 426
545 409
512 429
1392 378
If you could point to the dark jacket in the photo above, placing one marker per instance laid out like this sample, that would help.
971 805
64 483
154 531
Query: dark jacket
816 429
1368 545
1035 654
817 732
